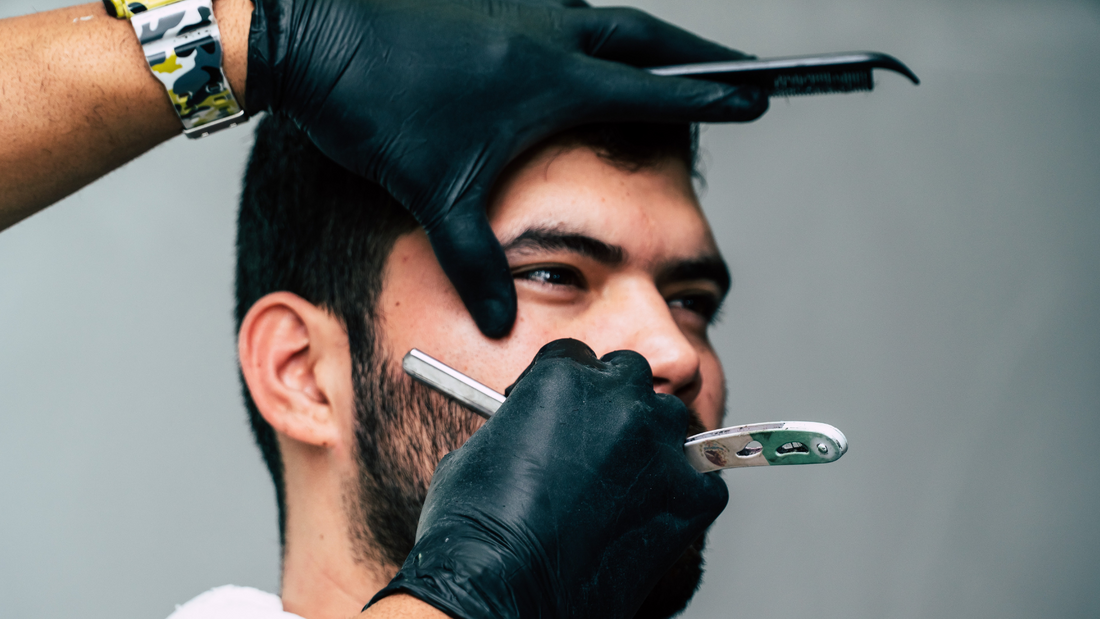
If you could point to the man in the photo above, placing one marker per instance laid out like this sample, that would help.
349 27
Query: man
606 243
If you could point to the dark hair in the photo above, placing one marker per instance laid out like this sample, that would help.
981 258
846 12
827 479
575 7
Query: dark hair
310 227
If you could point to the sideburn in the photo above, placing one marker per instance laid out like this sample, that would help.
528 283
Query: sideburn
403 429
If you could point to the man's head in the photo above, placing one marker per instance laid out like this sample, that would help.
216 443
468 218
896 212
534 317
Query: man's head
336 283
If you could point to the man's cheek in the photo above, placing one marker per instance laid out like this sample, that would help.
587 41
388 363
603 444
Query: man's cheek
710 404
535 327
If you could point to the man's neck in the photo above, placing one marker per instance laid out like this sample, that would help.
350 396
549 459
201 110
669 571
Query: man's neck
319 584
324 577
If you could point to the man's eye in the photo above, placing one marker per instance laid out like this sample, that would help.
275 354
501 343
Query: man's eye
703 304
554 276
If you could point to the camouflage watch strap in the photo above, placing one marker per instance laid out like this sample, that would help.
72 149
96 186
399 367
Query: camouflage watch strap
183 47
125 10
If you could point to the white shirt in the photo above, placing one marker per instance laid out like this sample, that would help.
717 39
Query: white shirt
233 602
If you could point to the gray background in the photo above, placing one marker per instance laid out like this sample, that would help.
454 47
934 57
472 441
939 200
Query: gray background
918 266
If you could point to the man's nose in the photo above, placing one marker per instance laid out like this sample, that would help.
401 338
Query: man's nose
645 324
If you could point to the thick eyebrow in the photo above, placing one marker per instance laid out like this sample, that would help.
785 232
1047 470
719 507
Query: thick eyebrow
706 267
709 267
549 239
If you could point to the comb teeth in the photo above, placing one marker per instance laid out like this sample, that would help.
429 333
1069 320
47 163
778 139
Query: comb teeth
795 84
796 75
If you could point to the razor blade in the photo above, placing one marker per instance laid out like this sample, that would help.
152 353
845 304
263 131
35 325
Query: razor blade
756 444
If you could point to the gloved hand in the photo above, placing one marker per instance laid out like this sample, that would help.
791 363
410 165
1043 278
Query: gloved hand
571 501
432 98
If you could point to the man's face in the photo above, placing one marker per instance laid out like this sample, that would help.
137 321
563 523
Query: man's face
617 259
614 258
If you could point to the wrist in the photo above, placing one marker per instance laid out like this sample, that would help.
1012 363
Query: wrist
234 18
471 574
402 606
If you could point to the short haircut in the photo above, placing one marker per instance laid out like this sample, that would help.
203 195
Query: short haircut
310 227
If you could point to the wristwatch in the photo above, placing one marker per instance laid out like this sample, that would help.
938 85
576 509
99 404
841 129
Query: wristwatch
183 47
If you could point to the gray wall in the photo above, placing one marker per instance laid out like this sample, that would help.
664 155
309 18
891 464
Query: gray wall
918 266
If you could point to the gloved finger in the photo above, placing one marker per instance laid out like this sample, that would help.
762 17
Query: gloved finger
636 38
566 4
675 415
565 348
703 497
568 348
618 93
630 365
706 497
715 494
473 260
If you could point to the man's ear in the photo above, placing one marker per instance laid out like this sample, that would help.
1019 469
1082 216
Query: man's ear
295 360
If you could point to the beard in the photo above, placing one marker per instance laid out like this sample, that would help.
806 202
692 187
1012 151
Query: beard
403 429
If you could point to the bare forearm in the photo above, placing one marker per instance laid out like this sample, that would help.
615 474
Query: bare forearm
77 100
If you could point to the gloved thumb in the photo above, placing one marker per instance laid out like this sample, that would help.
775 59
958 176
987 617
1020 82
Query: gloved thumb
473 260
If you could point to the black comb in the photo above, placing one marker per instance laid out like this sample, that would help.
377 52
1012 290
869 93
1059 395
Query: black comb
796 75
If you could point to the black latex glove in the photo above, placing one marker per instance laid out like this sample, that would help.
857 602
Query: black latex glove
571 501
432 98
